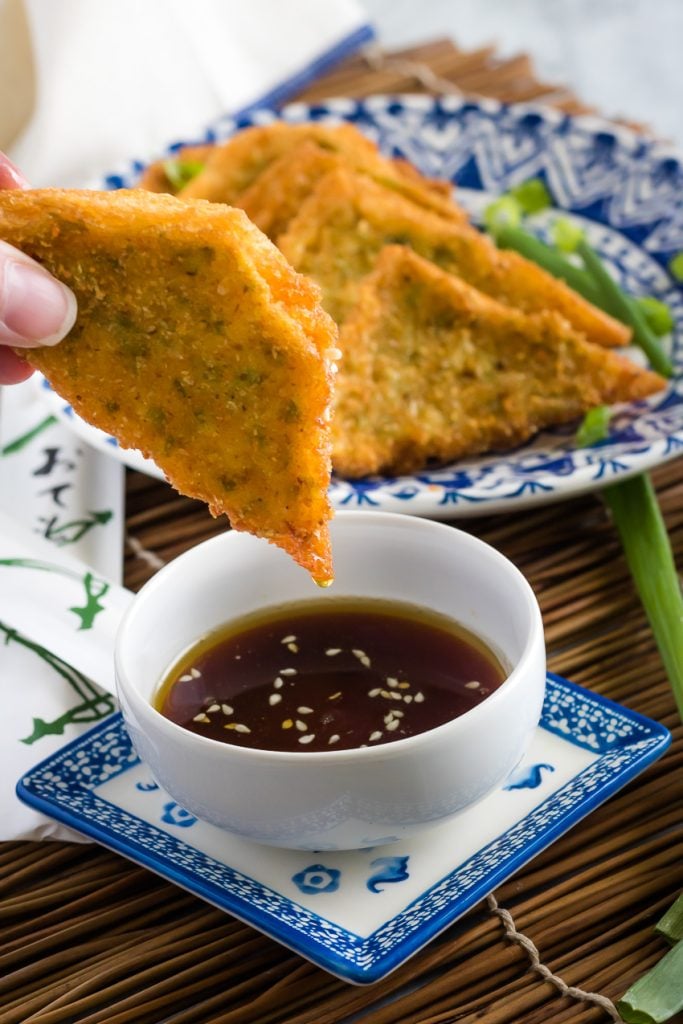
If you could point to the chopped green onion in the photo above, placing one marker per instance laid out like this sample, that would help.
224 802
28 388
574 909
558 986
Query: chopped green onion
658 995
616 302
671 925
181 172
676 266
595 426
566 235
532 195
638 519
657 314
502 212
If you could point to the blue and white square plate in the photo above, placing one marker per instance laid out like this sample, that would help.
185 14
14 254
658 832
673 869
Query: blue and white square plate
622 188
357 914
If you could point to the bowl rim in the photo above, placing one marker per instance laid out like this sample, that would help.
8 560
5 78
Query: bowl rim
395 748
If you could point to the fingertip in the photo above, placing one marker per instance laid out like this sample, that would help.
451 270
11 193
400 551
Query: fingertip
35 308
13 369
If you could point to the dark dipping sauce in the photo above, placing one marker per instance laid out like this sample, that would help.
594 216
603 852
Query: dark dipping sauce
330 675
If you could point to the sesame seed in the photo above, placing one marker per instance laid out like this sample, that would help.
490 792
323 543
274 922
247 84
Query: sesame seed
305 711
214 707
287 671
307 739
332 651
395 695
185 679
293 648
287 724
473 685
195 673
301 726
404 686
407 699
242 728
385 694
335 695
226 709
334 739
288 639
391 681
389 718
374 693
335 353
397 714
274 699
358 654
393 724
365 661
419 697
278 684
376 735
237 657
201 717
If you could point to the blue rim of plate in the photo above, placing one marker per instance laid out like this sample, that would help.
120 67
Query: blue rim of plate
62 786
626 190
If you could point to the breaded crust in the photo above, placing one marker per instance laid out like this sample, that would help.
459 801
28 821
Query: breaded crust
341 228
276 195
432 369
235 166
154 177
196 343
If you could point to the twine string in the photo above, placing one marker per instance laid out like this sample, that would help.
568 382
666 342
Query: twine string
525 943
152 560
377 60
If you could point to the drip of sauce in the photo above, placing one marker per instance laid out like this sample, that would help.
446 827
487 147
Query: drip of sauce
329 675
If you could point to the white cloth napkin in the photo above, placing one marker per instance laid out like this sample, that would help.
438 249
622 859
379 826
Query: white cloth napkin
60 501
118 79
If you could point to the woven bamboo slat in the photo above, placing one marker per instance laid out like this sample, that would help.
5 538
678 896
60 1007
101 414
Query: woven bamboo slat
87 938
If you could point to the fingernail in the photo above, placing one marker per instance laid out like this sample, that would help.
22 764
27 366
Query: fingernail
35 308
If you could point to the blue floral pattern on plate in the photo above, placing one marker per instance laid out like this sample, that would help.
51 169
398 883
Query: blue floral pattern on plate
358 914
626 192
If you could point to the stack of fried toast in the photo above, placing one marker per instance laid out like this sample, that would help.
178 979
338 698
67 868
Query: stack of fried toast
450 346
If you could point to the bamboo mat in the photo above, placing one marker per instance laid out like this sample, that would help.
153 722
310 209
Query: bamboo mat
88 938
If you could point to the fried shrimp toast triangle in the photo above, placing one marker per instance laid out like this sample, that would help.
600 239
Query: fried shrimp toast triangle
235 166
197 344
434 369
343 225
276 196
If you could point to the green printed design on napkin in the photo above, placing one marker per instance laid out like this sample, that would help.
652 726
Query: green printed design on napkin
91 706
95 588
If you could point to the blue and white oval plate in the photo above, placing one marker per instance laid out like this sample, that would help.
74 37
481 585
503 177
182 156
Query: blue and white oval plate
625 190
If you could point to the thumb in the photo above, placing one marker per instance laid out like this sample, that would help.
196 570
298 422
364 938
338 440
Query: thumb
35 308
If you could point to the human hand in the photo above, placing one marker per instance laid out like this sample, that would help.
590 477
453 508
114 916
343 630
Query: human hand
35 308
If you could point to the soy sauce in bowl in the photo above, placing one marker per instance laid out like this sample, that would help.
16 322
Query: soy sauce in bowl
332 675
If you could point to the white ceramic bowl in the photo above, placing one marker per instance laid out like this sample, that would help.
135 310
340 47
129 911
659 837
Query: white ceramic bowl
348 798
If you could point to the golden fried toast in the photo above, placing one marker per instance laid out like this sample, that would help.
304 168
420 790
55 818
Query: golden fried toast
341 228
196 343
433 369
276 195
235 166
155 177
